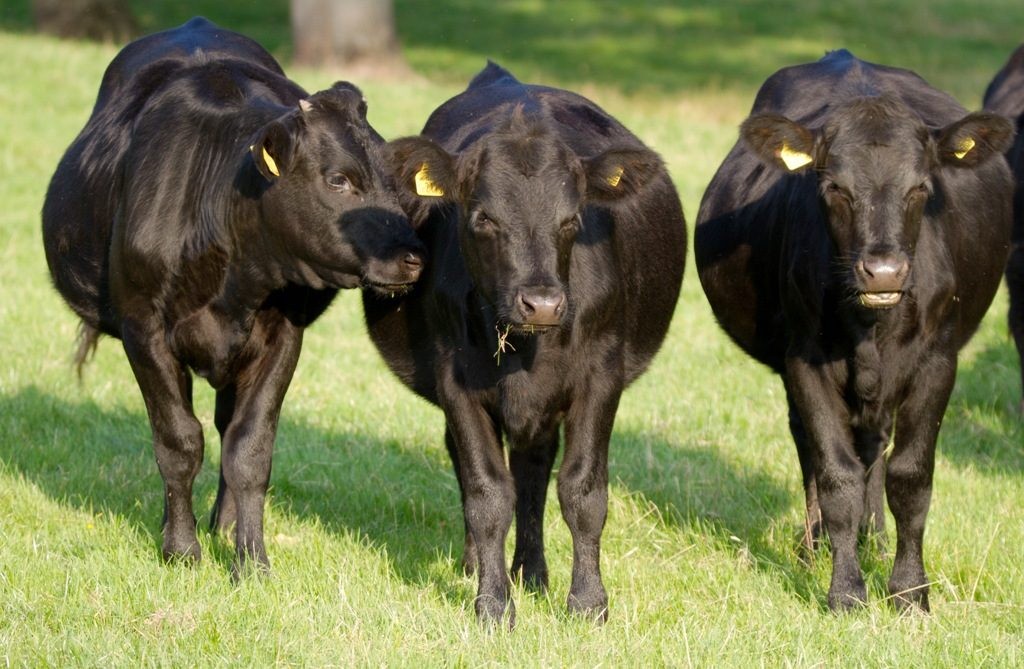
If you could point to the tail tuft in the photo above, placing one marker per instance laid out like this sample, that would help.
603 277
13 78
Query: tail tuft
88 338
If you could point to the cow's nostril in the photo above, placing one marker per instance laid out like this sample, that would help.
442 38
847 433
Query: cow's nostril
413 261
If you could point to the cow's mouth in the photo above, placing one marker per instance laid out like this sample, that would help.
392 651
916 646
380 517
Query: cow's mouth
388 289
530 329
881 300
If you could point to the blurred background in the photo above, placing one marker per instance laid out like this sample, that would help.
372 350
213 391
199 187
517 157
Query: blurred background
651 47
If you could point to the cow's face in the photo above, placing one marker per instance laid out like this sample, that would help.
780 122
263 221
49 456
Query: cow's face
875 162
521 196
330 206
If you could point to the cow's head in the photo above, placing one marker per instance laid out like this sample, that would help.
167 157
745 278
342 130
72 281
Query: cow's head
330 209
876 165
521 195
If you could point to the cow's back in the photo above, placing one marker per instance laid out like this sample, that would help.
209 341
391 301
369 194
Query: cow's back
86 190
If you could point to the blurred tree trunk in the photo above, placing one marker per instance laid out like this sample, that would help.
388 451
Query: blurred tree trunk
101 20
352 34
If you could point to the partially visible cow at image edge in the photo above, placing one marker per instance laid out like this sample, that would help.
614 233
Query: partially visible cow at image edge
1005 95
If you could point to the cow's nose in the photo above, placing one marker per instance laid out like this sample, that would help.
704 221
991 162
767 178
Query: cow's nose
540 305
413 264
883 273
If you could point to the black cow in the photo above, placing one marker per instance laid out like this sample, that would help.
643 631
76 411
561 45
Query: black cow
852 240
1005 95
206 214
557 246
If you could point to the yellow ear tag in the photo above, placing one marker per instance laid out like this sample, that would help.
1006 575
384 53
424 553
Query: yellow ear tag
271 165
793 159
614 179
424 186
964 148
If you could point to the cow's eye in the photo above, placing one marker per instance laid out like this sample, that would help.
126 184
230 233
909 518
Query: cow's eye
919 190
832 189
483 223
338 182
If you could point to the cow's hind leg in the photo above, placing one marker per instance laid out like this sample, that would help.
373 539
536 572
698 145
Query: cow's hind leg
470 560
812 516
166 387
224 512
871 449
531 470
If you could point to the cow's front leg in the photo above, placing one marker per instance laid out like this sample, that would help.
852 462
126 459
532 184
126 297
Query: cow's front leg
583 489
248 442
488 499
531 470
838 473
166 387
908 483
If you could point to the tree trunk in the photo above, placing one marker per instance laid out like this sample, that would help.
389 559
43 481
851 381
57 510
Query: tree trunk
350 34
100 20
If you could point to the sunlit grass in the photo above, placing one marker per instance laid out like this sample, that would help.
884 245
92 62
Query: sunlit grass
363 520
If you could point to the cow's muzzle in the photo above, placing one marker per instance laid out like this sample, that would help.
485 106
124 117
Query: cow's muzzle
396 276
539 307
881 279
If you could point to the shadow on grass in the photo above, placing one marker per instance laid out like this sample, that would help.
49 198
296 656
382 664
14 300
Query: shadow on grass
737 510
403 498
983 428
399 496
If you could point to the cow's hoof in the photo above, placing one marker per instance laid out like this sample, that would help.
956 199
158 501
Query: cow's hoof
181 551
847 600
249 567
591 605
533 577
493 611
908 599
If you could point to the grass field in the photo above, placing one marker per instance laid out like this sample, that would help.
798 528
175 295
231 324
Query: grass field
363 520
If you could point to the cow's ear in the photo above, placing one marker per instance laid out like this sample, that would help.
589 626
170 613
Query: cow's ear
620 172
974 139
779 142
273 150
423 168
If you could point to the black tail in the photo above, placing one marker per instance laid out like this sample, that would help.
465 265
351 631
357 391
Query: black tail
88 338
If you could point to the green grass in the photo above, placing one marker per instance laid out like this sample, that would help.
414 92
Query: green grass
363 520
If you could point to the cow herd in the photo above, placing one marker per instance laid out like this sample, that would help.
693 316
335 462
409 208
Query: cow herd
521 260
